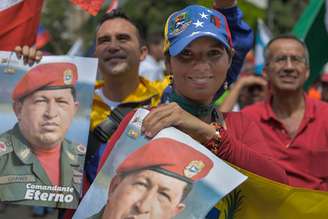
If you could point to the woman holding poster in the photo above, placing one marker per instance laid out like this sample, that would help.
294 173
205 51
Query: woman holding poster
198 55
198 52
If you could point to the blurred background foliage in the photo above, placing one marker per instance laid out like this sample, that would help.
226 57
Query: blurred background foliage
66 23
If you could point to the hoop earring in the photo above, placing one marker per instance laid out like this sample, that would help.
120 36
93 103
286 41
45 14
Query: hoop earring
225 86
171 79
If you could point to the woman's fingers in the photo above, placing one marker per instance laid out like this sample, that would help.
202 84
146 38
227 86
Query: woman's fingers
158 119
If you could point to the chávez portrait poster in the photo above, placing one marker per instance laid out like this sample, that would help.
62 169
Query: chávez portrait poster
44 129
169 176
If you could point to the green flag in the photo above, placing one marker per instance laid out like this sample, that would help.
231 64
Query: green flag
311 28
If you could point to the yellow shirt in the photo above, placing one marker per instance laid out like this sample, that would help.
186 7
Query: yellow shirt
146 90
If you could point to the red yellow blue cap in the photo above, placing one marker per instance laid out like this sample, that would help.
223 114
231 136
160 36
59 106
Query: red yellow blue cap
192 22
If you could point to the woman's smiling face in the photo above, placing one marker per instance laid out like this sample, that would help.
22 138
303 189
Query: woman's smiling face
200 69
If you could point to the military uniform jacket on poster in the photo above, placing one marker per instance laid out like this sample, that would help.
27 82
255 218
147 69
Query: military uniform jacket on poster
24 181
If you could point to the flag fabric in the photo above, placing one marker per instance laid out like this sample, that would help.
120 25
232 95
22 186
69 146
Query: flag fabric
311 28
90 6
326 16
19 22
42 37
259 198
77 48
263 36
263 4
113 5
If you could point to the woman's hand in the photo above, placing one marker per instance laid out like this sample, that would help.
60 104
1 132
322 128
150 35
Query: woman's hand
29 54
172 114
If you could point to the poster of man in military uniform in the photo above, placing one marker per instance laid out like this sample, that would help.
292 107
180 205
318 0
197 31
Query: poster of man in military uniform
156 172
170 176
42 151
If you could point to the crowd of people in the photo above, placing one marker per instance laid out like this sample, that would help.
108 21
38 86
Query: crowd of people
279 131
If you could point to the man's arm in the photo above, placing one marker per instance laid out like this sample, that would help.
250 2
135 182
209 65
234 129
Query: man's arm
232 98
241 33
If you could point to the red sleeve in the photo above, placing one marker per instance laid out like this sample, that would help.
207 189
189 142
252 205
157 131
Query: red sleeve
117 134
244 146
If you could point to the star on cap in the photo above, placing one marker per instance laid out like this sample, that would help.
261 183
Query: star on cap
198 24
203 15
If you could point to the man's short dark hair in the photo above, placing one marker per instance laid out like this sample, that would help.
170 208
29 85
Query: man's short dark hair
286 36
117 13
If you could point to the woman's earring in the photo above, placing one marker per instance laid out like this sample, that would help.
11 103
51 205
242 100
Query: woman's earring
226 86
171 79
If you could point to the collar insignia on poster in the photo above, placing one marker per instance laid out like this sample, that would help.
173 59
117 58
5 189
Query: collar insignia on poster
81 149
77 179
71 156
133 133
77 176
77 173
137 121
24 153
3 146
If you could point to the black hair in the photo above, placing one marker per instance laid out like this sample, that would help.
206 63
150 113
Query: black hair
117 13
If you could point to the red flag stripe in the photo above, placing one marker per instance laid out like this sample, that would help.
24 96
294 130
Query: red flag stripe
19 23
90 6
